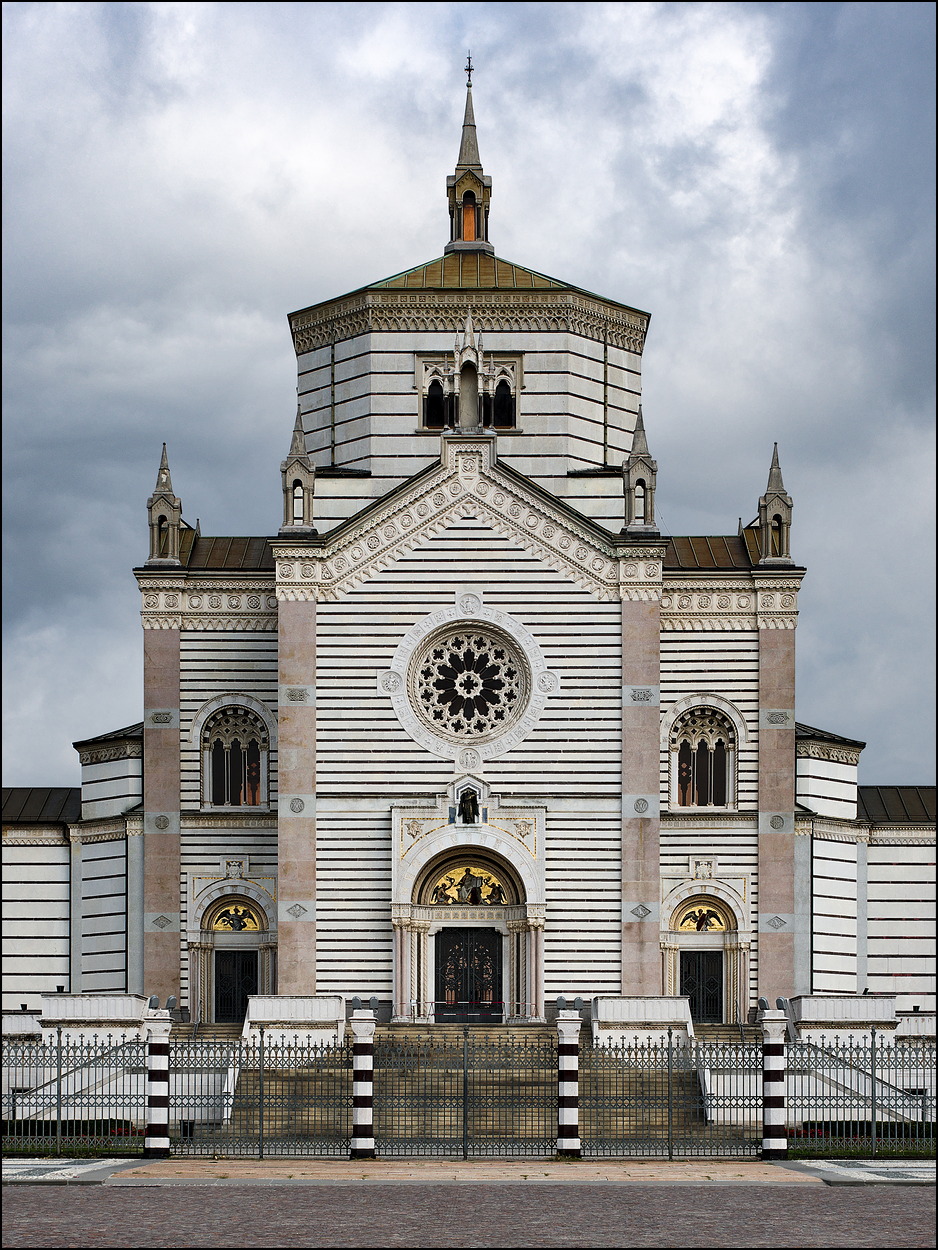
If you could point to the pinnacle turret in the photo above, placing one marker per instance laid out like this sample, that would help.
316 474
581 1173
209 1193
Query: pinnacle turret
468 189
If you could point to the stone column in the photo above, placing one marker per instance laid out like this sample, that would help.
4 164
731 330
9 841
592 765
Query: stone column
641 873
781 920
161 838
135 870
363 1066
296 805
156 1141
568 1084
774 1078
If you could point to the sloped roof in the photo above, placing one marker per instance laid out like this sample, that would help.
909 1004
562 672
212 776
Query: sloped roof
465 271
41 805
244 554
116 735
703 551
823 735
896 804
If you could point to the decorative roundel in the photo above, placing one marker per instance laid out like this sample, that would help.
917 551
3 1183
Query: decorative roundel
469 684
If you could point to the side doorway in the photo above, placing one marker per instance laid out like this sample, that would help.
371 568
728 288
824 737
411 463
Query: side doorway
702 982
235 982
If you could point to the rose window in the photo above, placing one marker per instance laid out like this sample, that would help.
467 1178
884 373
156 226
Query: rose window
469 684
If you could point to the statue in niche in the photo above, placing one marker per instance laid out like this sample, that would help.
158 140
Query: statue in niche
469 807
469 889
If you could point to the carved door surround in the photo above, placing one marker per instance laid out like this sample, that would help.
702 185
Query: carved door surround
434 843
230 914
708 914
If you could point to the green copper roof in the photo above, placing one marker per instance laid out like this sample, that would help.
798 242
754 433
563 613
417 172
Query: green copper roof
462 271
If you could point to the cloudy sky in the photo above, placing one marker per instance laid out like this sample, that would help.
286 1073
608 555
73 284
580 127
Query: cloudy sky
179 177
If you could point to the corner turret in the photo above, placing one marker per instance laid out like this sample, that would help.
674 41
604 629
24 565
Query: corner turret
165 514
298 475
639 474
775 518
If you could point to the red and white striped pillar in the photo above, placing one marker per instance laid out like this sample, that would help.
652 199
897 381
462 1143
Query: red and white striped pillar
363 1073
156 1141
774 1116
568 1084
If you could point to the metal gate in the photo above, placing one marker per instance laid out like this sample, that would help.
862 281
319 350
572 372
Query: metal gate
465 1094
670 1100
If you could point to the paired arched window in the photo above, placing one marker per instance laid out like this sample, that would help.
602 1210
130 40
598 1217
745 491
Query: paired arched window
703 759
235 746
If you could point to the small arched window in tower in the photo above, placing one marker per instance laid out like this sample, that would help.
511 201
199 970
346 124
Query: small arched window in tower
234 754
469 217
298 503
639 502
777 537
504 406
703 758
162 536
434 407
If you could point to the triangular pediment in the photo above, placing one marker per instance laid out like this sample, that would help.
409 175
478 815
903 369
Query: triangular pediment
468 481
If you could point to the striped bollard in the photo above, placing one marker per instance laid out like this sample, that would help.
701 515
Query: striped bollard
156 1141
774 1126
363 1072
568 1084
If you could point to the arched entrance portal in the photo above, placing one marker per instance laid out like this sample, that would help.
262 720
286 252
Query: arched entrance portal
705 959
232 960
466 949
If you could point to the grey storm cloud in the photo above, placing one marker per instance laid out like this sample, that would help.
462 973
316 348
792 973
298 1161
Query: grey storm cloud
178 177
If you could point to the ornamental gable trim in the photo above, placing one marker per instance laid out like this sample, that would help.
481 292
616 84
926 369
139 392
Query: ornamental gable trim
469 483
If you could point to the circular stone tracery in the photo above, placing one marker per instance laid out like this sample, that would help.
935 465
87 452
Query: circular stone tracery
469 684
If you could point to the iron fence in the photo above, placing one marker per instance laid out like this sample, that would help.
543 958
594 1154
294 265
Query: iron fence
861 1098
661 1098
260 1097
84 1096
462 1094
465 1092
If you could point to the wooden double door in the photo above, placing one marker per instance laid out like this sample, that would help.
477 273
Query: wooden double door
469 976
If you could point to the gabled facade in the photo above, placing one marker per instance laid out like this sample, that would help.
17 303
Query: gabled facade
468 732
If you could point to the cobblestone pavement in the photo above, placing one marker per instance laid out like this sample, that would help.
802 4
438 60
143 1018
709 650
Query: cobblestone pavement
506 1215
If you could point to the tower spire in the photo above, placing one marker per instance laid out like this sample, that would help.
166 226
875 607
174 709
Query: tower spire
639 478
775 518
468 189
164 510
298 476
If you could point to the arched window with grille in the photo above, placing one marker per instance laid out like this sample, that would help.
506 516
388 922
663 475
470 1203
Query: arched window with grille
703 760
235 746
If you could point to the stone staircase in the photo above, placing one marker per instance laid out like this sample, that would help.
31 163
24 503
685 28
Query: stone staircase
729 1034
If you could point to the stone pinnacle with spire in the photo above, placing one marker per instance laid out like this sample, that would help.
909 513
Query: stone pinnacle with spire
468 189
775 474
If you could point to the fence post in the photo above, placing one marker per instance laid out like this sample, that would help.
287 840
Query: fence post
58 1090
873 1093
568 1084
363 1075
774 1077
156 1141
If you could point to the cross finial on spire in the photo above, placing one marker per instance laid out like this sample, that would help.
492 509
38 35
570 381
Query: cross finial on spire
469 69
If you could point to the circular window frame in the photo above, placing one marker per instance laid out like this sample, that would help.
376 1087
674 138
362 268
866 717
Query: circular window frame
469 613
446 637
